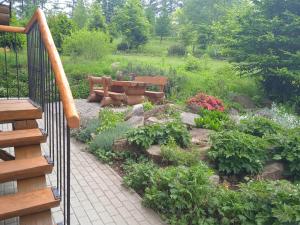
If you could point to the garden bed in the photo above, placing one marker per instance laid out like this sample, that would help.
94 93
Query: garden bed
229 169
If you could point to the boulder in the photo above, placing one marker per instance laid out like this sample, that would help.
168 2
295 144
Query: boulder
189 118
273 171
244 101
137 111
157 110
214 179
154 152
203 152
152 120
200 136
122 145
135 121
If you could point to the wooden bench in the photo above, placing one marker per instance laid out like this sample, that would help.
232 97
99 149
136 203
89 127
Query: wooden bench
160 81
104 94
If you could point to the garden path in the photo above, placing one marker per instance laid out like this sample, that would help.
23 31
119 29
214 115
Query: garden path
97 194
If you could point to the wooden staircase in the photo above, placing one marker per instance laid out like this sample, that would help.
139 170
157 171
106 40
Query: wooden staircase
4 13
33 200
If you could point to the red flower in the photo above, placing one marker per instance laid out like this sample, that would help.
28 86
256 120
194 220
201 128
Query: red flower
206 101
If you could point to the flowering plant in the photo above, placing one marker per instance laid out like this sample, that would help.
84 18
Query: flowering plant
205 101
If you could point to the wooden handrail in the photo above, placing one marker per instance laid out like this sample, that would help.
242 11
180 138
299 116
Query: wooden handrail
11 29
71 114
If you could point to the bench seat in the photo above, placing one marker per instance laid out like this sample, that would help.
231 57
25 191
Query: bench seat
113 95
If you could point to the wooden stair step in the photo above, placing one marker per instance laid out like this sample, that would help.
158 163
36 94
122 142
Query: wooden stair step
26 203
24 168
22 137
21 109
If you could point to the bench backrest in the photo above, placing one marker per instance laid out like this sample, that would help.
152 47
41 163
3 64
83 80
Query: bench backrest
103 81
160 81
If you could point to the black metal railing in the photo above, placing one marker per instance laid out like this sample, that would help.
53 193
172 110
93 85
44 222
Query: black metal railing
37 82
43 90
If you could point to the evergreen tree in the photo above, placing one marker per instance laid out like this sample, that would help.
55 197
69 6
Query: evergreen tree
80 14
132 23
267 43
163 24
96 18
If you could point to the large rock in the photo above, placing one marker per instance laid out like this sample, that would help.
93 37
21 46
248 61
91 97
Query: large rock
137 111
273 171
152 120
189 118
200 136
122 145
154 152
135 121
244 101
214 179
157 110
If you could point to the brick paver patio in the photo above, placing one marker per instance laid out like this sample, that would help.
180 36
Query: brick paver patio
97 194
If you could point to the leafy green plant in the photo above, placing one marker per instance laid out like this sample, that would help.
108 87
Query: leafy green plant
85 133
274 202
181 193
212 119
286 147
238 153
139 175
145 136
259 126
177 156
148 106
109 119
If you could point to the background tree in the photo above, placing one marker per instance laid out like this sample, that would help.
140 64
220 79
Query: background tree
267 43
60 26
163 23
80 14
96 18
132 23
109 7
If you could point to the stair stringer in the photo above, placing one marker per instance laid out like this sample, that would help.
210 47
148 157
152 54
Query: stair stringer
25 152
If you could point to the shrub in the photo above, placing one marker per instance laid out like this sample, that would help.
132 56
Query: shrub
177 156
178 50
145 136
212 119
259 126
192 64
181 194
105 139
205 101
238 153
88 44
123 46
139 175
